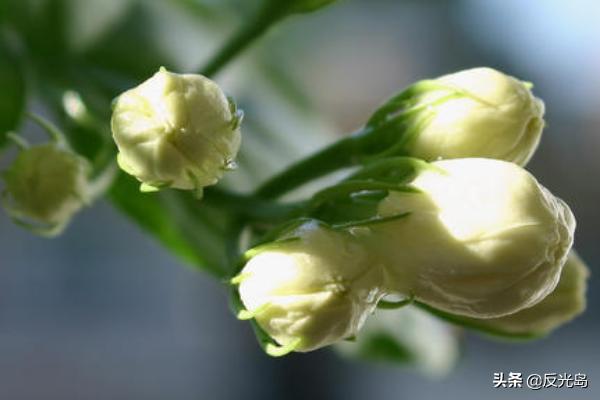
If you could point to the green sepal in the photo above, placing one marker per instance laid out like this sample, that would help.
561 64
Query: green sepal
53 132
275 350
18 140
269 346
20 219
399 170
403 102
248 254
410 101
151 187
398 121
393 305
355 200
369 221
237 115
148 188
281 230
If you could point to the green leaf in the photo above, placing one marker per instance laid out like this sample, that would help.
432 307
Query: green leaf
42 24
304 6
12 90
267 343
191 229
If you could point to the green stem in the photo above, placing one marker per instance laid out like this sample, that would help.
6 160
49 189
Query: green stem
271 12
51 130
232 244
338 155
251 207
365 144
20 142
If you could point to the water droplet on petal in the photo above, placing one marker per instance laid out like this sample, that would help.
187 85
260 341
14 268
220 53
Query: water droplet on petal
230 165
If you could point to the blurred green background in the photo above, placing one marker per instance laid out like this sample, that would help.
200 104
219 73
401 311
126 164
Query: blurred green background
104 312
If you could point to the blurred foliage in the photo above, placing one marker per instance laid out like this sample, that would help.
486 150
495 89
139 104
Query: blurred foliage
407 336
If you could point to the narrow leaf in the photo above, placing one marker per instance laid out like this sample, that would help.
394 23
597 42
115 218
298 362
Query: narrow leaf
191 229
12 90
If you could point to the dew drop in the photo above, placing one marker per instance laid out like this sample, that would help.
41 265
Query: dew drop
230 165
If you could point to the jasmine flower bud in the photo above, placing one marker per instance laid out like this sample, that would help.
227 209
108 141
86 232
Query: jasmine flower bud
478 112
176 130
45 186
310 289
483 238
562 305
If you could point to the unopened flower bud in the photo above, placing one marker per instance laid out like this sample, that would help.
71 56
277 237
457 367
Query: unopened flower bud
478 112
45 186
176 131
562 305
311 289
483 238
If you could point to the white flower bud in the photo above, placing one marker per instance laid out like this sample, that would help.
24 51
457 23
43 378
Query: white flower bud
478 112
562 305
483 238
311 291
175 131
45 186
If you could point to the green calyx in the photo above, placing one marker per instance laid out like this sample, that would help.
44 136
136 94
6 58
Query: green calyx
355 200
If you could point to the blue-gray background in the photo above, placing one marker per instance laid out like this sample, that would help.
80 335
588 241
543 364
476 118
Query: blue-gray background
103 312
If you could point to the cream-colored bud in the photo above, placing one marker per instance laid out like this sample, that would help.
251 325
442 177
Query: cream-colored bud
562 305
45 186
175 130
483 238
479 112
311 291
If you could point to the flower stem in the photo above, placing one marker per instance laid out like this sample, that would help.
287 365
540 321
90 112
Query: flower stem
250 206
338 155
388 139
270 12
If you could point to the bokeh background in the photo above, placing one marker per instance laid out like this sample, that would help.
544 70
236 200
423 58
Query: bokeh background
103 312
